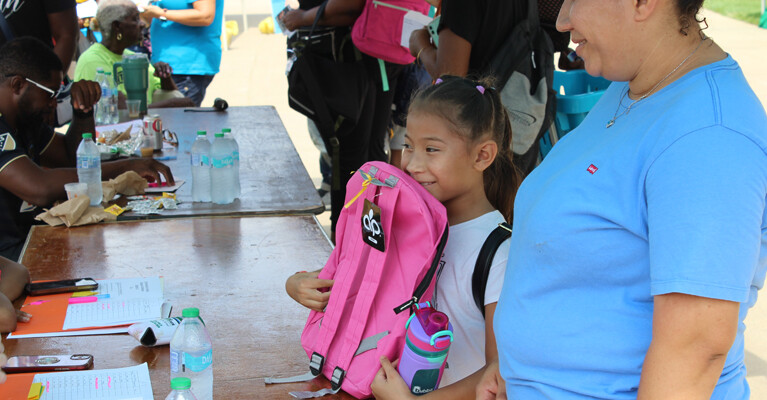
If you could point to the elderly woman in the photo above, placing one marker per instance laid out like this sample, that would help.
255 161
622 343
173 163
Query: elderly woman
120 25
639 243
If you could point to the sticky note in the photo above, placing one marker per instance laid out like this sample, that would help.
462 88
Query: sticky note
35 391
84 294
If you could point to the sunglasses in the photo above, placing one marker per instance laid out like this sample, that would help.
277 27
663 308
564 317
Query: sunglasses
53 93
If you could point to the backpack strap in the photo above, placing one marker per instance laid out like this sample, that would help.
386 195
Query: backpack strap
485 261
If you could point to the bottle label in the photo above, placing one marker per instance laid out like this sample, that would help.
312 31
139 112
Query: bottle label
222 162
236 155
205 160
200 160
86 162
197 364
176 359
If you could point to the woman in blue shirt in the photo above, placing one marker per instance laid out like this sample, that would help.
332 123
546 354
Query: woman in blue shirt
640 242
187 35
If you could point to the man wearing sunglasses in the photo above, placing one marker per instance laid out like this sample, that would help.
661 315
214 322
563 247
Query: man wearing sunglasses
36 162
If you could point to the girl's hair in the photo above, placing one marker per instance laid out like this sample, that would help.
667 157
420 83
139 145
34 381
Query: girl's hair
475 111
110 11
687 11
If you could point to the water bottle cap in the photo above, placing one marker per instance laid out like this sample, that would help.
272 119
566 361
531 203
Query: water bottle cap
190 312
180 383
202 133
87 135
107 73
226 130
220 134
437 322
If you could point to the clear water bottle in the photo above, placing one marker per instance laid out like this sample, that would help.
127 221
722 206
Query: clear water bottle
180 389
236 158
99 107
191 354
201 168
221 181
89 168
111 99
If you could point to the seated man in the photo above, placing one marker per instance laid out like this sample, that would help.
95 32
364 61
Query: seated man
13 278
36 162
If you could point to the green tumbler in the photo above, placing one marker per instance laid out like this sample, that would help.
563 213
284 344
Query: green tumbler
135 76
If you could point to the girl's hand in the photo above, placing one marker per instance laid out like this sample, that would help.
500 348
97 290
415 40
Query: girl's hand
162 70
491 386
305 288
22 316
388 384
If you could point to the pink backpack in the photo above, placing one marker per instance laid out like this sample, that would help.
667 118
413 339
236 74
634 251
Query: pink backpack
378 29
390 241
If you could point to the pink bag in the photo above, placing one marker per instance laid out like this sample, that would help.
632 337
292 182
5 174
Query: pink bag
378 30
390 241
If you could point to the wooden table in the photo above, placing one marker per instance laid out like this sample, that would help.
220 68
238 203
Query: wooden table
233 269
272 176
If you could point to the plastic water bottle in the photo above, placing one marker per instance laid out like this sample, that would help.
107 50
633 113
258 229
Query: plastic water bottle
201 168
99 107
89 168
180 389
111 99
221 180
191 354
236 158
428 338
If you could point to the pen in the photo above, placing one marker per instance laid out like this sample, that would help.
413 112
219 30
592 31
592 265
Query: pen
166 158
80 300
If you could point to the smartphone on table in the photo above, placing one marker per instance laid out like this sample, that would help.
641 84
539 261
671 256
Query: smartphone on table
48 363
63 286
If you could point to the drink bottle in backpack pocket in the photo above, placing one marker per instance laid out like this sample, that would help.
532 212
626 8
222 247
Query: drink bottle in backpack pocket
427 341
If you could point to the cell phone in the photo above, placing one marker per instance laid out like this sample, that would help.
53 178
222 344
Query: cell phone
69 362
432 28
63 286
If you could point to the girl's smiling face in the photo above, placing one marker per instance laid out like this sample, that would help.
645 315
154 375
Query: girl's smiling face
440 159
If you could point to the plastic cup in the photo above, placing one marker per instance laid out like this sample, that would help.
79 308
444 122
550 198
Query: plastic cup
76 189
147 151
134 108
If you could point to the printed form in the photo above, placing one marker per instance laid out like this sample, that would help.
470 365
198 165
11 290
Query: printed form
120 301
106 384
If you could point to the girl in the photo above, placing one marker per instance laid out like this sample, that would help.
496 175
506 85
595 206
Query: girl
458 147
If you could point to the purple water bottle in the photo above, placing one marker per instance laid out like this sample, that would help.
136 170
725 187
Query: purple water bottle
427 341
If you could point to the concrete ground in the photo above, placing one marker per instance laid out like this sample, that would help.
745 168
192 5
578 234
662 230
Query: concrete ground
253 73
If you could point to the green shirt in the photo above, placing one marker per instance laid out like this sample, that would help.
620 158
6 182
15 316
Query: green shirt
98 56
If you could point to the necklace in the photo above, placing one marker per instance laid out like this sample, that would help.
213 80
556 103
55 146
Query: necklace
628 109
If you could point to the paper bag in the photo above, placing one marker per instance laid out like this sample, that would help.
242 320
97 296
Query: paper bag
75 212
128 183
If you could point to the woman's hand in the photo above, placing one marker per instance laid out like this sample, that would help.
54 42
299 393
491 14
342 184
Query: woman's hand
388 384
294 19
305 288
162 70
151 11
491 386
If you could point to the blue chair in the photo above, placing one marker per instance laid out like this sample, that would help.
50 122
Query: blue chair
577 92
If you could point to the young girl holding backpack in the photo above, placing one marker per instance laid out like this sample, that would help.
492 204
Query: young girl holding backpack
458 146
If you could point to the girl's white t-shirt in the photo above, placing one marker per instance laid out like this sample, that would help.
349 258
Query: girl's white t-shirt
454 297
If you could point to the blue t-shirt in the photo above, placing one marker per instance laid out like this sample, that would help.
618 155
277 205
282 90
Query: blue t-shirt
669 199
190 50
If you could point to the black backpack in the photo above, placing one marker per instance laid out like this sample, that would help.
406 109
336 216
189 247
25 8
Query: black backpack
523 67
485 261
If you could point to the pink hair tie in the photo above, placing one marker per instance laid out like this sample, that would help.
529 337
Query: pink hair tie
481 89
438 81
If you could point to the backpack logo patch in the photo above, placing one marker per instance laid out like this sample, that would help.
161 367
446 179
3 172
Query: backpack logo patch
7 143
372 229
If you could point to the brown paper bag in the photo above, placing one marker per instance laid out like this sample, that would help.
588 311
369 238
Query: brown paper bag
128 183
75 212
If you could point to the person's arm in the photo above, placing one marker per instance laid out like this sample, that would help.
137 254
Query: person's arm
7 315
388 384
164 71
451 58
337 13
61 151
170 103
203 13
13 278
691 336
64 27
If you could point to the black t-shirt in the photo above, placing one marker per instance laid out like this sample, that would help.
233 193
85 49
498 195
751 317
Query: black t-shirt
16 215
30 17
484 23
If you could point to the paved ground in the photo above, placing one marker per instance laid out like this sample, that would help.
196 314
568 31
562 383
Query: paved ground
253 73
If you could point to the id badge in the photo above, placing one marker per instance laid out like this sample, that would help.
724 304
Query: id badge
372 228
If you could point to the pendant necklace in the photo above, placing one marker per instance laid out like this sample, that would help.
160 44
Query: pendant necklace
628 109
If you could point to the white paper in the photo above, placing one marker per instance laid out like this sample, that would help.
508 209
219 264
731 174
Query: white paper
111 312
413 21
105 384
85 332
124 288
87 9
136 124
